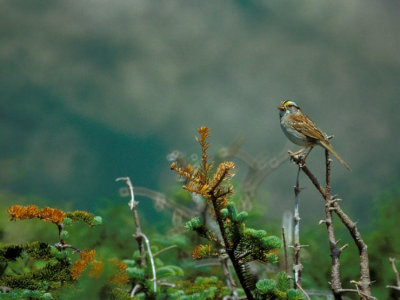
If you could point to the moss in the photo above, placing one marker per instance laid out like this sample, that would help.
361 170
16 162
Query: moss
36 250
81 216
47 278
113 293
10 252
201 285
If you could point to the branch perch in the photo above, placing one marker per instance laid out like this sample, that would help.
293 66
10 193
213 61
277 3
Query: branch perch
297 266
332 205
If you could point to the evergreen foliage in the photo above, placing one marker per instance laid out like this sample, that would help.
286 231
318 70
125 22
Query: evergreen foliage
34 270
242 244
59 270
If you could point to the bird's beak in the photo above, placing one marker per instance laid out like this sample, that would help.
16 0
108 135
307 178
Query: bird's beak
280 107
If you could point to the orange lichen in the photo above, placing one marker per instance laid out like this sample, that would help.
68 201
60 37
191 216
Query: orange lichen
77 269
16 212
23 212
86 256
97 268
32 211
52 215
120 277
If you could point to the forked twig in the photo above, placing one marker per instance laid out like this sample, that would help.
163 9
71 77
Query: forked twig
303 291
297 266
396 273
134 290
392 261
333 206
285 251
139 235
153 268
132 205
165 249
223 258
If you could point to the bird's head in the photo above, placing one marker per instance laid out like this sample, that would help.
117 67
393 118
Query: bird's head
287 105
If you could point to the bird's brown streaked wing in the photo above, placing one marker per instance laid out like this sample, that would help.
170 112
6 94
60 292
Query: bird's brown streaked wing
307 127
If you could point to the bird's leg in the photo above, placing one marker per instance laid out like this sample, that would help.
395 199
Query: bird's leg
298 152
302 157
305 156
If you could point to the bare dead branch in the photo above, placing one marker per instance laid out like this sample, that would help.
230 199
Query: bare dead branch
332 205
285 251
335 282
132 205
139 235
396 272
164 283
393 263
362 295
62 246
153 268
259 168
223 258
365 281
134 290
297 266
165 249
303 291
161 202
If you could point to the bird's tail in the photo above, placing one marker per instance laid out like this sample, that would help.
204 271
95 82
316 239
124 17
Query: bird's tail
328 146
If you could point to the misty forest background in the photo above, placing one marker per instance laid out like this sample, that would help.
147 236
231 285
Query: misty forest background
95 90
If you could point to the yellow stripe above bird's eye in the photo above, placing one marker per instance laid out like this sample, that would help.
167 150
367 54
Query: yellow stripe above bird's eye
287 103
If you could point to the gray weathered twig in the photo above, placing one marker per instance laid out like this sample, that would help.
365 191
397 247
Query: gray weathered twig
139 235
259 168
223 258
396 273
153 268
285 251
297 266
365 281
134 290
336 284
133 205
303 291
165 249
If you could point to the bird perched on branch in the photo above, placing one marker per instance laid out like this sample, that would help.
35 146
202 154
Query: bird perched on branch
302 131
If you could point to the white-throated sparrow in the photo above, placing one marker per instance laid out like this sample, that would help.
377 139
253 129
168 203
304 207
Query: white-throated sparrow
302 131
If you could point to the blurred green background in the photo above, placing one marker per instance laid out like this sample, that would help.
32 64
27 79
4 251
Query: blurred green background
94 90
